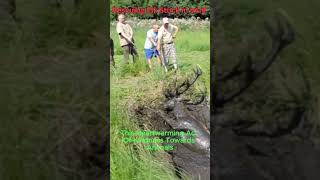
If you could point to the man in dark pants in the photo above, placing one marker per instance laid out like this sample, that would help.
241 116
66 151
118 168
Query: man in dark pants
126 39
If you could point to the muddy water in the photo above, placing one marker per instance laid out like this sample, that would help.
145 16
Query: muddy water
247 155
193 159
284 152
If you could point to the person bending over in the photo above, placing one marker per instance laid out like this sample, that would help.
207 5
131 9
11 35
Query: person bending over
151 44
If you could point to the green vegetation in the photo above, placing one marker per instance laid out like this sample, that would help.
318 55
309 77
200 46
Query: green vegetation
52 86
242 21
239 31
188 39
135 84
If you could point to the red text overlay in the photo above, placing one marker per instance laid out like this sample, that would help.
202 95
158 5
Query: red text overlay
156 10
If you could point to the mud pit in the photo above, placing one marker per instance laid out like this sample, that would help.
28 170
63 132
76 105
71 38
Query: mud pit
177 113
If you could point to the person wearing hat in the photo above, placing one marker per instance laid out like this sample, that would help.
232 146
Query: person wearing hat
165 45
125 33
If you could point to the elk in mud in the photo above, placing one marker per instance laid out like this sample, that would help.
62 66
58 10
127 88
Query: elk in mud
186 114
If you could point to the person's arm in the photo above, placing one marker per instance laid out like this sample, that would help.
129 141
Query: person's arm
176 30
125 37
150 37
152 41
159 39
120 30
122 34
131 33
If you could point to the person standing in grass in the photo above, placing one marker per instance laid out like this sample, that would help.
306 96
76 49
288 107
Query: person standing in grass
165 45
125 33
151 44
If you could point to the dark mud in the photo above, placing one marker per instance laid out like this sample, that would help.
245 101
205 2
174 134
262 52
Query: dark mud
194 159
249 157
173 112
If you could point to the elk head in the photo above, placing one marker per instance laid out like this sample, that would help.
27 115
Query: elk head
174 94
188 115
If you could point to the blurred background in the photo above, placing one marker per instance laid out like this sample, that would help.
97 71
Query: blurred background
53 89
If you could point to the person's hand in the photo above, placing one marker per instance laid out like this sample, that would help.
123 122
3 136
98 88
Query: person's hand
158 48
131 40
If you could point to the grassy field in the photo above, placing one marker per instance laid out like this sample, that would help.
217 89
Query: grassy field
240 22
134 84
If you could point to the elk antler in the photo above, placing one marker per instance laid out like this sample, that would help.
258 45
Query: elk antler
200 99
183 87
282 35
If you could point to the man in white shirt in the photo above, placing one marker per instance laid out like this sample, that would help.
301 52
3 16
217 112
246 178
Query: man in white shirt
151 44
165 45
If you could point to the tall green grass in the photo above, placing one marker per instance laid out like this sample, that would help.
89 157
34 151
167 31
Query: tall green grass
239 28
132 161
187 40
47 69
